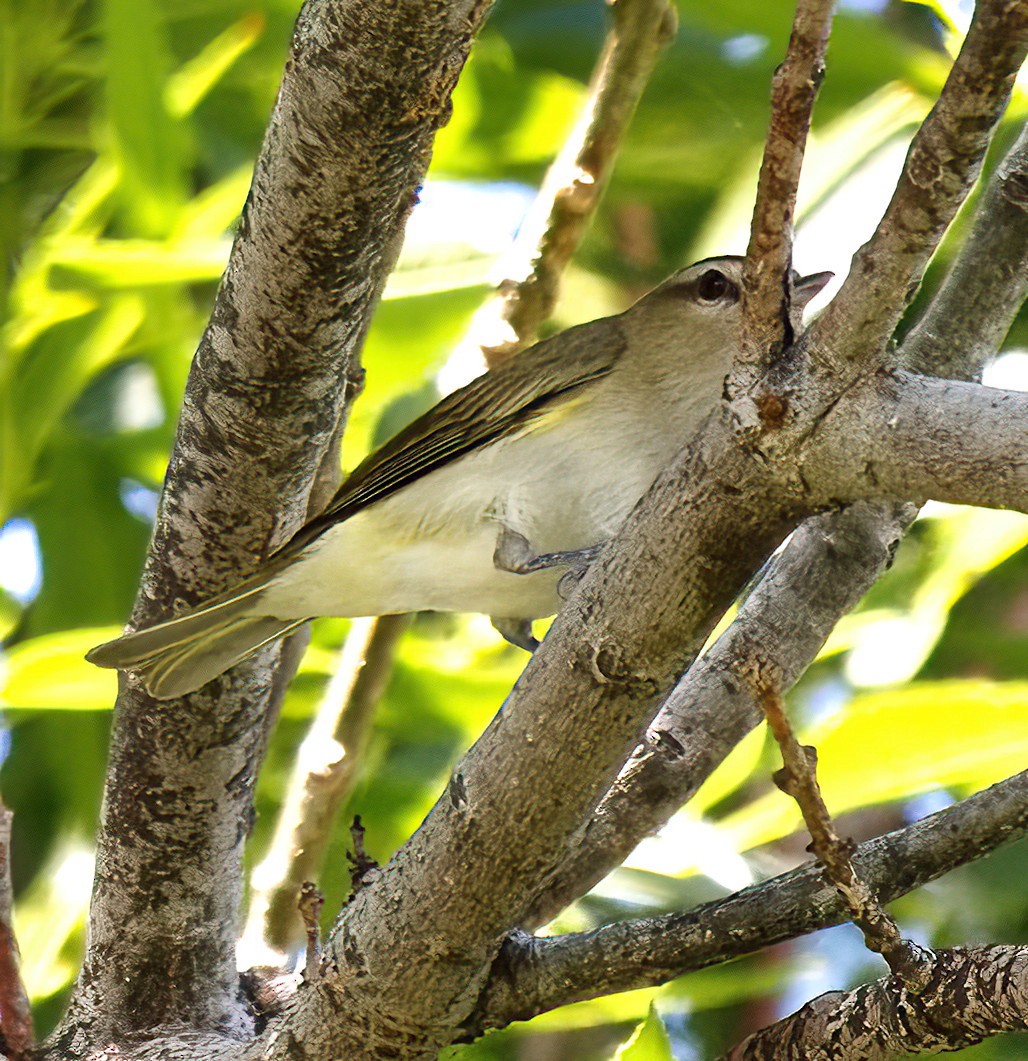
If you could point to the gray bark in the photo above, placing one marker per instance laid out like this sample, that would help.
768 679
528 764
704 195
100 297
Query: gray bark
971 994
365 90
537 974
410 957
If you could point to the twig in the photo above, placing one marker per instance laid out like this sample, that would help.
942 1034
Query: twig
972 994
535 974
798 778
361 863
310 904
15 1013
324 773
575 183
767 322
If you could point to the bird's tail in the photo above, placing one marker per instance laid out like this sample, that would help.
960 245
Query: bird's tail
179 656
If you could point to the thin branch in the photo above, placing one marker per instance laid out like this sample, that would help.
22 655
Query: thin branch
986 284
798 778
309 905
575 183
536 974
16 1036
942 164
767 318
324 771
917 437
971 994
828 565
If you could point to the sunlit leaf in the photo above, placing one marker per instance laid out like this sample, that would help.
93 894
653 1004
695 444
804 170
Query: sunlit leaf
649 1041
50 916
50 672
893 745
194 80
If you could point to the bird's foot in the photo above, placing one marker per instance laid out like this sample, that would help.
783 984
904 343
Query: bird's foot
514 553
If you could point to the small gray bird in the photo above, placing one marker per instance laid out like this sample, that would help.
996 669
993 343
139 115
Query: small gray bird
484 503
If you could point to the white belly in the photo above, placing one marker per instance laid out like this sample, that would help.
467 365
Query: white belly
430 546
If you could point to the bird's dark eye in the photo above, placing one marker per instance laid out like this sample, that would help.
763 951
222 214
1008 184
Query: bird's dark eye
713 286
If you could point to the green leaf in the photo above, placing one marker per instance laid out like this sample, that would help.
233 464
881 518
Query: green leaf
51 916
649 1041
149 142
193 81
892 745
50 673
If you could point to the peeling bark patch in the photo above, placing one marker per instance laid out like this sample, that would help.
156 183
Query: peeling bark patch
668 743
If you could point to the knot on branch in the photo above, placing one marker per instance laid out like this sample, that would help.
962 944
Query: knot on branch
607 664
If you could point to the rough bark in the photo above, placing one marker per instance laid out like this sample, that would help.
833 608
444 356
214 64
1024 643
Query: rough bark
535 974
904 435
971 994
364 91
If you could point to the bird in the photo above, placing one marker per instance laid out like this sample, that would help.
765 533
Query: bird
495 497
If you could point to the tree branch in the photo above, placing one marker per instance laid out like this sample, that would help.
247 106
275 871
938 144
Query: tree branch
905 435
798 778
882 1020
364 92
576 180
536 974
16 1036
986 284
767 318
942 164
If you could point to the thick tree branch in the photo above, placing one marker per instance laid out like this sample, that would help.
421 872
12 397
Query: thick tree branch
364 92
970 994
917 437
941 166
536 974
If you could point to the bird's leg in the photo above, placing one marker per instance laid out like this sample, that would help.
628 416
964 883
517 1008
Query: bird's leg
514 553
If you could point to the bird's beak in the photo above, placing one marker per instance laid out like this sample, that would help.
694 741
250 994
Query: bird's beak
808 286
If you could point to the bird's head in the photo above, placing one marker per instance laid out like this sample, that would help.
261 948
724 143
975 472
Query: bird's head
712 291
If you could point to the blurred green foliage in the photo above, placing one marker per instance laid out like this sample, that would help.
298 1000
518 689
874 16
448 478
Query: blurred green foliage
127 132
